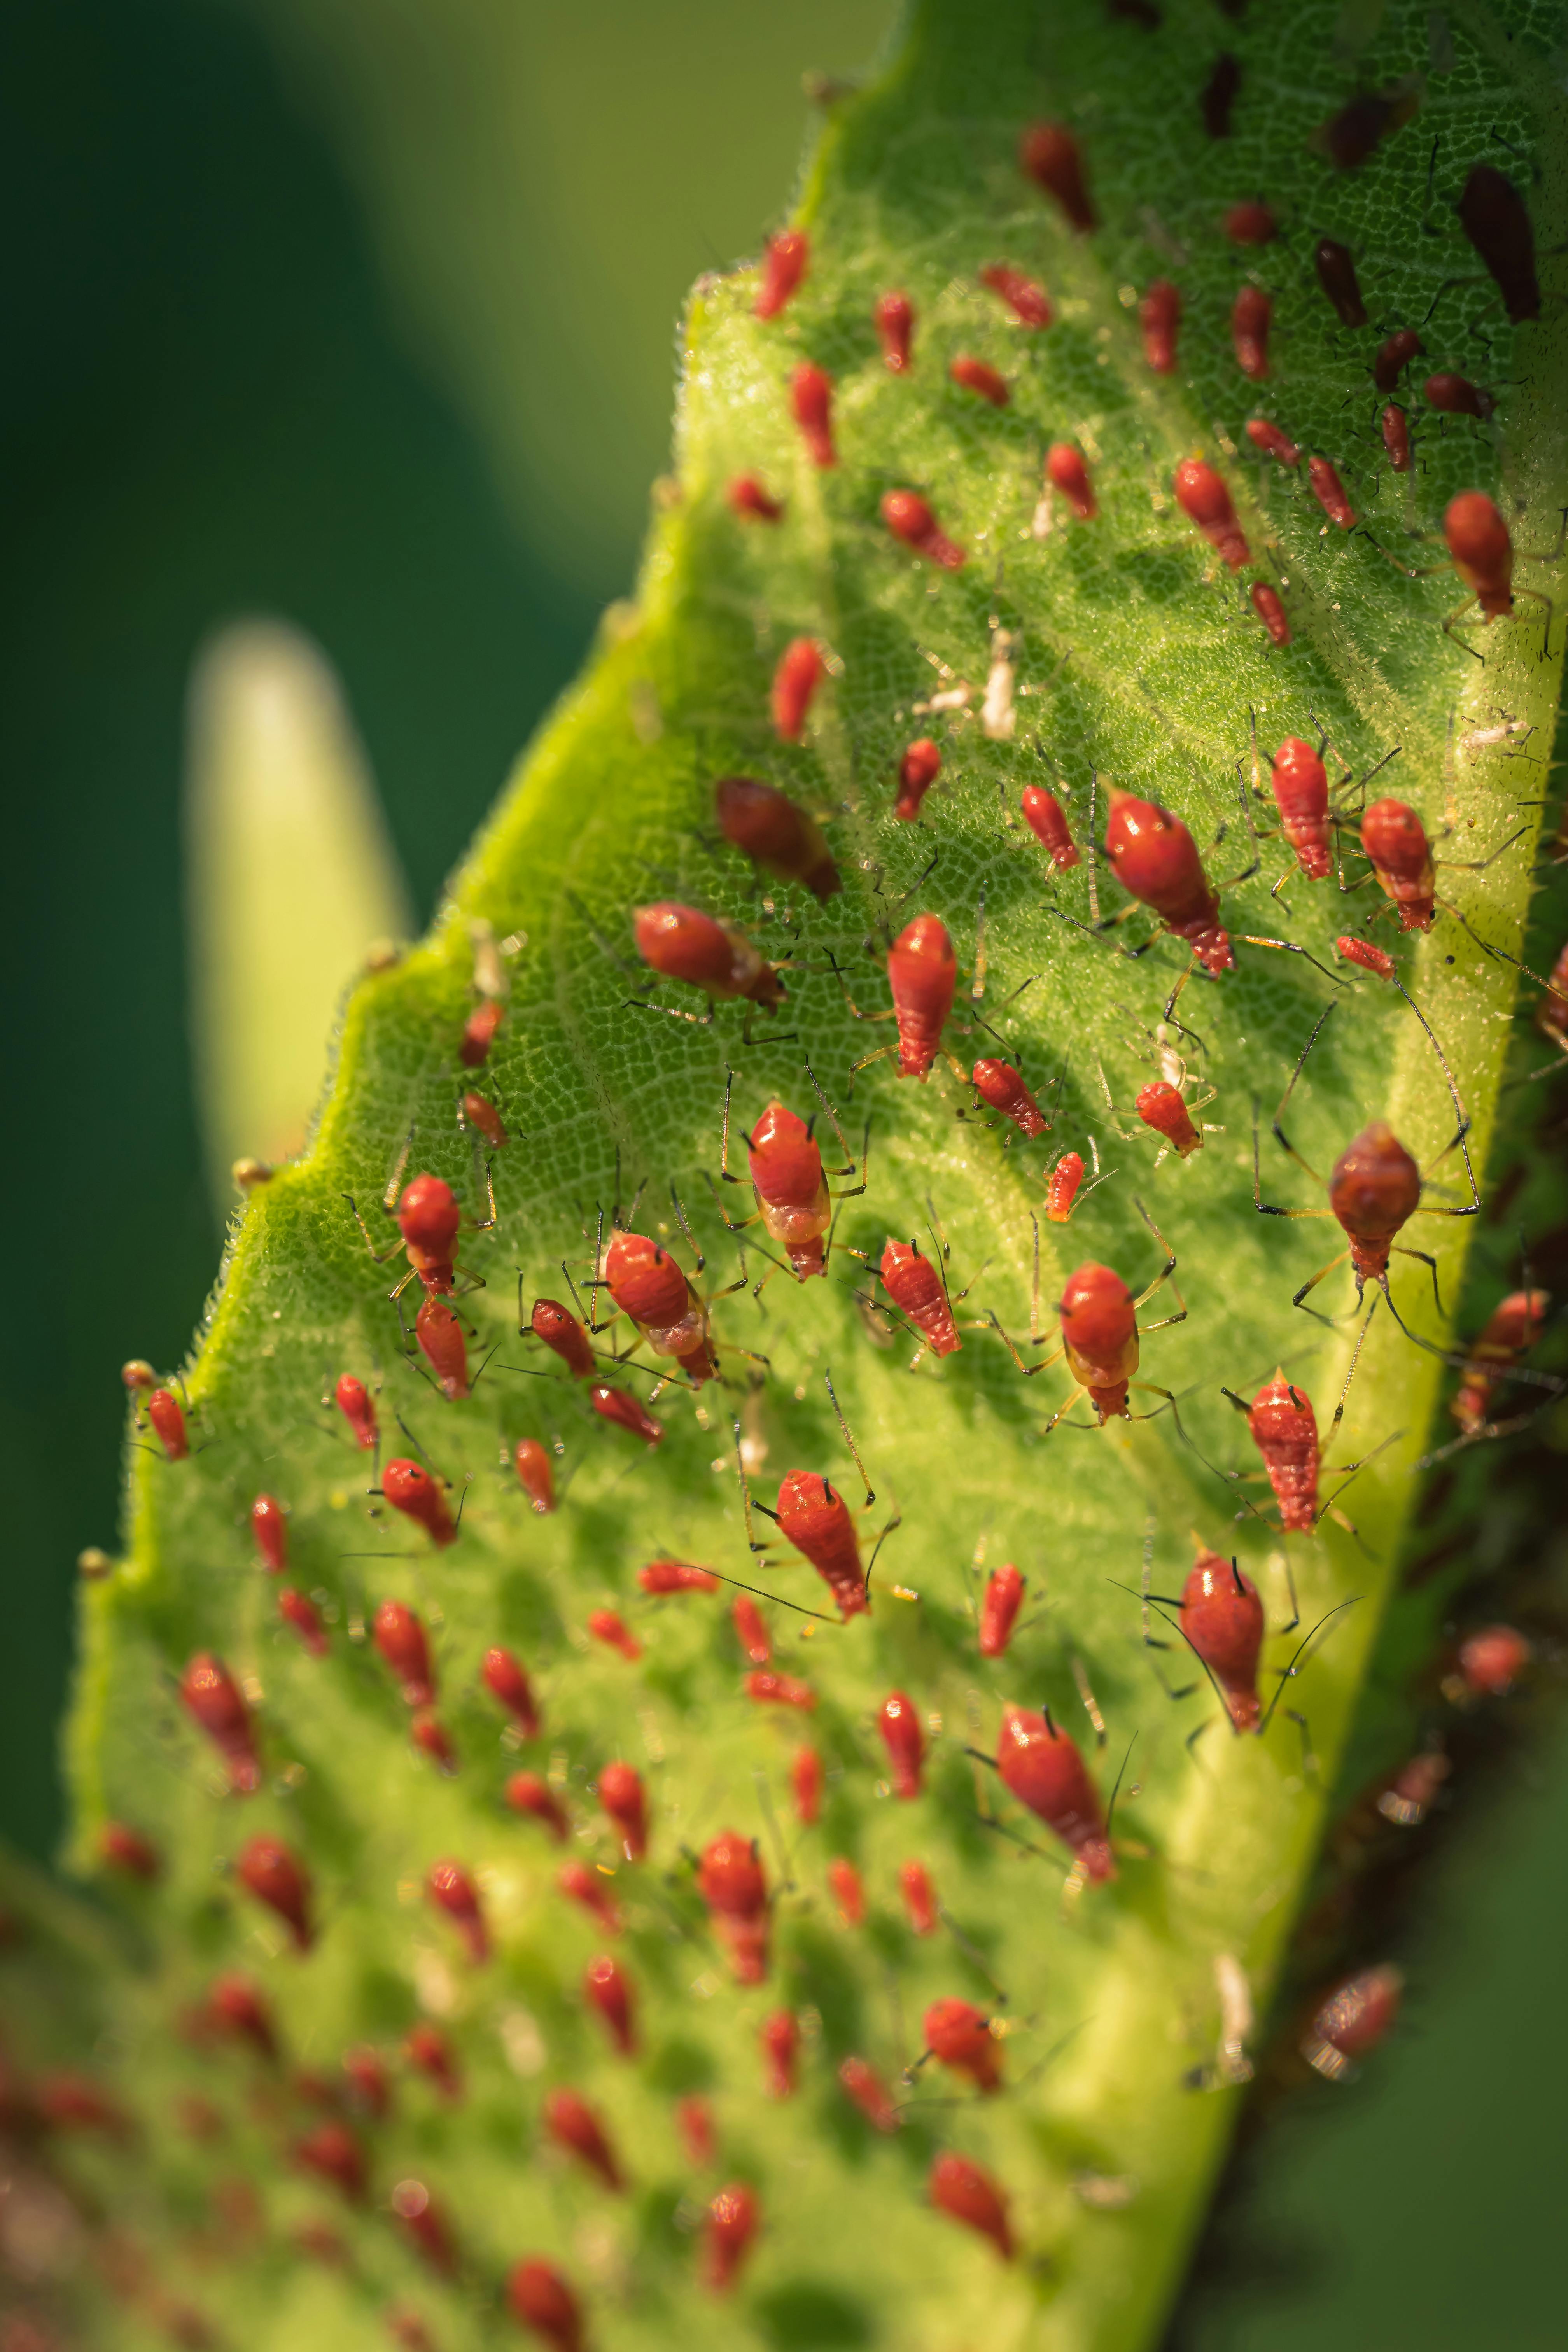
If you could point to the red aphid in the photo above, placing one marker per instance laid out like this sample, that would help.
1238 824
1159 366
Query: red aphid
1042 1767
1394 357
1455 395
534 1475
298 1610
732 1884
1065 471
1050 154
870 2094
1373 1188
748 498
624 1798
1249 320
895 322
918 771
1001 1086
1396 437
426 2225
277 1877
70 2103
446 1350
405 1645
426 2047
733 2221
1250 223
786 1166
908 518
811 398
806 1777
1206 501
1028 303
410 1488
572 2124
915 1287
1268 605
1156 860
1003 1597
682 943
1272 443
1099 1332
1374 960
848 1891
661 1576
1482 552
748 1624
479 1032
1330 492
506 1679
138 1376
1047 820
606 1626
1285 1430
585 1886
235 2007
1393 837
126 1849
648 1285
816 1519
1301 795
452 1890
767 826
961 2189
1352 2021
357 1406
1061 1188
269 1525
527 1792
971 374
959 2035
430 1736
1160 1106
333 2153
923 973
215 1705
544 2304
168 1420
563 1335
780 1690
784 262
1159 317
485 1119
370 2088
801 670
1492 1660
429 1219
780 2037
699 2135
919 1897
904 1739
1513 1325
1222 1617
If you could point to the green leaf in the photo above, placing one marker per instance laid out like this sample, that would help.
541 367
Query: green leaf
1137 661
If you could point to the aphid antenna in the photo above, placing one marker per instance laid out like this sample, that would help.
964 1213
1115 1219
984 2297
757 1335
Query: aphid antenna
1164 1274
971 1951
1111 1809
1459 1363
1499 955
1288 1673
1280 1134
692 1240
1028 1370
394 1182
987 1822
849 1442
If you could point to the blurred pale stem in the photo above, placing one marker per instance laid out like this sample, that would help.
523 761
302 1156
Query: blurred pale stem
290 877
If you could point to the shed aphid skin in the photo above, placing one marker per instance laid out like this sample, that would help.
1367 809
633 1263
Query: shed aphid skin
894 318
1351 2021
766 826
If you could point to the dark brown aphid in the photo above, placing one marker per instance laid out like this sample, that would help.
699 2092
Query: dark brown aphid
1219 95
1336 276
1349 137
1395 356
1493 216
1455 395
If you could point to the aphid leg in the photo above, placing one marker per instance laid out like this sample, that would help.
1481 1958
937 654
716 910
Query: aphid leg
378 1257
1312 1280
730 1223
849 1165
880 1054
692 1242
1281 1136
1091 1704
670 1012
1499 955
1028 1370
1334 1429
1290 1588
1289 947
896 1521
849 1442
725 1176
1164 1274
1170 1011
1062 1410
854 1010
1309 1754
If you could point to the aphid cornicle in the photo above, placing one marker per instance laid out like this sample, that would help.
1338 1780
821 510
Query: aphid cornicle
785 263
908 518
1047 820
653 1291
1040 1765
1001 1086
1512 1327
682 943
767 827
1393 837
1028 301
1156 860
894 318
914 1284
1159 318
1222 1618
1206 501
815 1517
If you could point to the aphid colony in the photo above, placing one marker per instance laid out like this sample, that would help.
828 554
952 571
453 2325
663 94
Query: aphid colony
656 1310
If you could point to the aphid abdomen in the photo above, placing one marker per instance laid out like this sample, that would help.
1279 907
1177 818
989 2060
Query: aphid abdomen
923 973
815 1519
1222 1617
914 1285
1285 1430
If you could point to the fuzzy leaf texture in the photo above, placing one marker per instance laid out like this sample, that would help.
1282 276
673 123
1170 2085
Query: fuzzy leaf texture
1137 660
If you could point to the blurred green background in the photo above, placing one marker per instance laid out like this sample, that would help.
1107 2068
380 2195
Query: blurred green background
361 313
